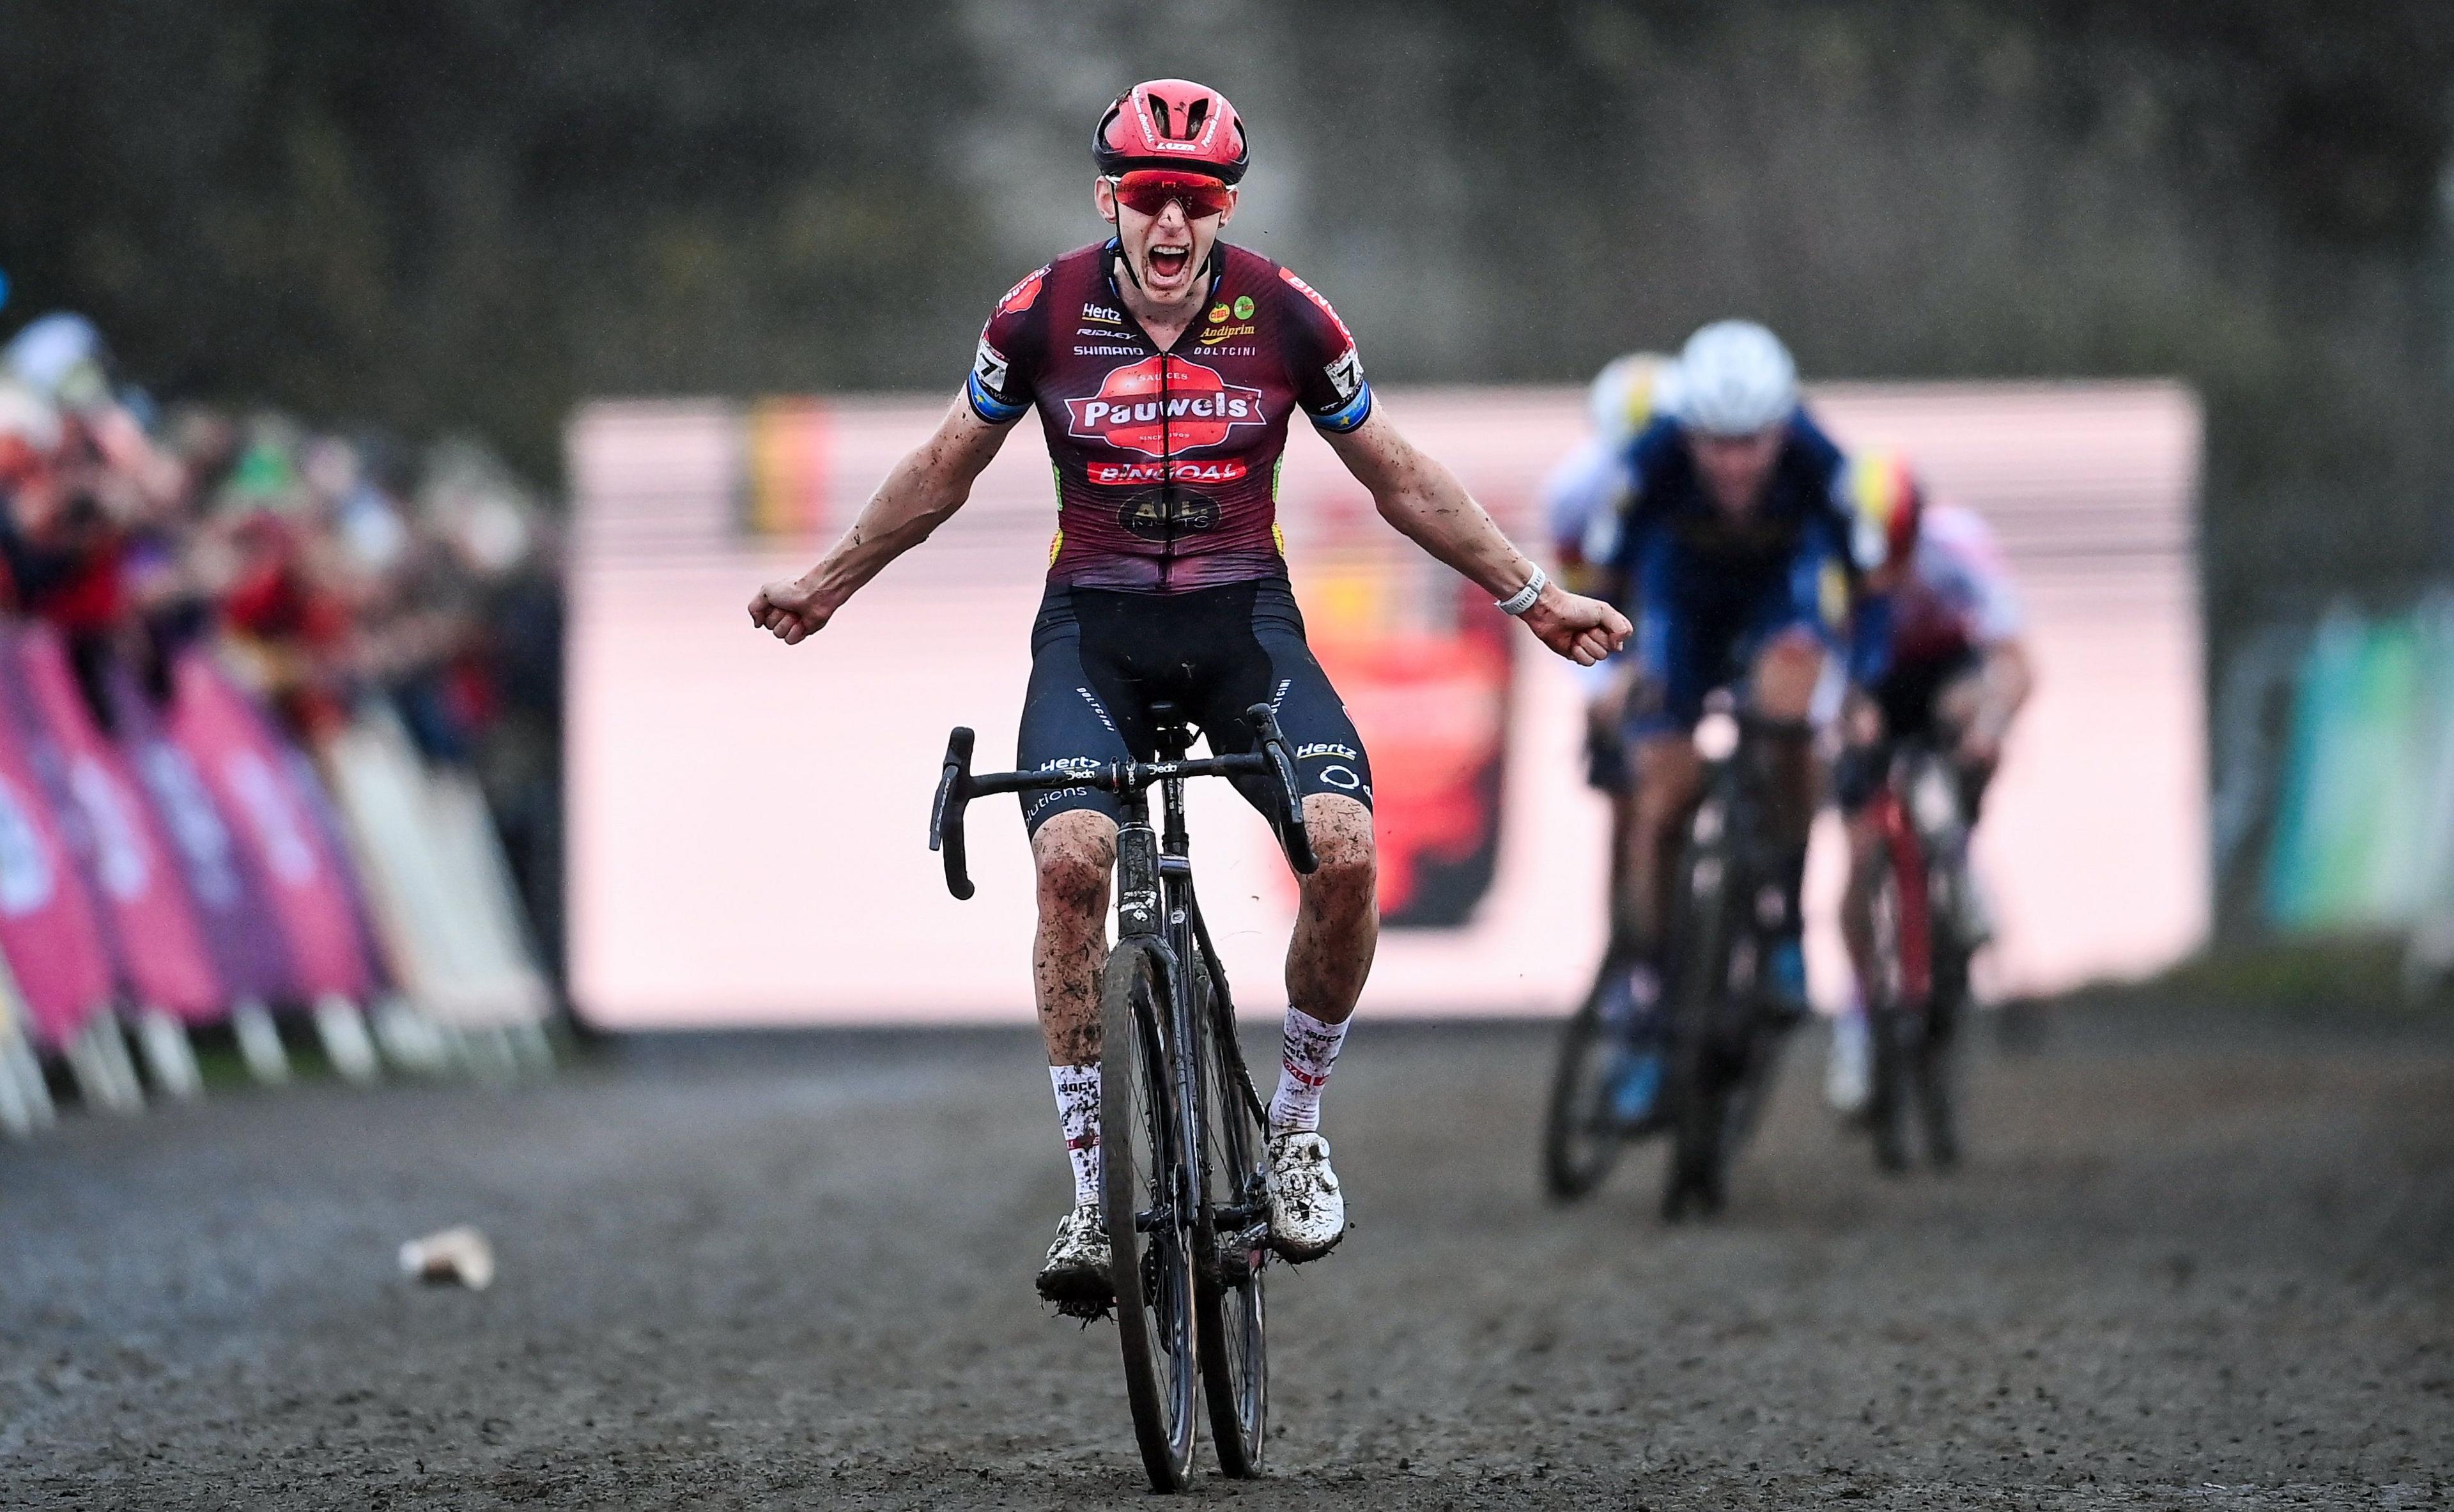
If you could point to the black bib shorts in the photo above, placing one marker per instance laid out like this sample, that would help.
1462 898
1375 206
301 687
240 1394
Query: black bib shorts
1100 658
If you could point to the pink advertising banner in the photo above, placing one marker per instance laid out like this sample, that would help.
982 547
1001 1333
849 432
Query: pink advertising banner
132 868
51 928
747 819
280 820
224 881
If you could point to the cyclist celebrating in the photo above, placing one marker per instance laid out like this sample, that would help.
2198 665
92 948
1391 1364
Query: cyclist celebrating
1165 366
1735 544
1958 668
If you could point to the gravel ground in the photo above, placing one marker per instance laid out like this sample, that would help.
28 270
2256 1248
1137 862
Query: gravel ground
2191 1262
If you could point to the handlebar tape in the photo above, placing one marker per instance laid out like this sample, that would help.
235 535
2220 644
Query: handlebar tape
946 814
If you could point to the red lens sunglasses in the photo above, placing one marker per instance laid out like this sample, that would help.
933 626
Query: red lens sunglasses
1148 190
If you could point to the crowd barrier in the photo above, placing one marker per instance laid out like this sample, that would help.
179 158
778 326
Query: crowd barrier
187 865
2335 798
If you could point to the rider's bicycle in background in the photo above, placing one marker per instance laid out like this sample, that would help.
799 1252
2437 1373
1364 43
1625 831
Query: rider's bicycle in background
1725 1026
1698 1064
1927 919
1184 1175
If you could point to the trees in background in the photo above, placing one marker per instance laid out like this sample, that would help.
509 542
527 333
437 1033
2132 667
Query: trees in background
472 213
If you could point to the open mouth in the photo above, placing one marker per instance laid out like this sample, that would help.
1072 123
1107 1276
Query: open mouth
1168 264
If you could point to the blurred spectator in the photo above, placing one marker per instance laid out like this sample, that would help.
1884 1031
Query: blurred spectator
331 573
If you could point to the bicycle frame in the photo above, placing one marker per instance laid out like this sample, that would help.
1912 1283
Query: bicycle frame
1725 830
1918 965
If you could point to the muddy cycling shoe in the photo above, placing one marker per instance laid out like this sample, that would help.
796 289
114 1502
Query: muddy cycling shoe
1307 1211
1075 1276
1971 919
1784 981
1635 1081
1635 1073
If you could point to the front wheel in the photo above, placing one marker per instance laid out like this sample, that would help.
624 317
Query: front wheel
1232 1235
1895 1024
1148 1226
1700 1073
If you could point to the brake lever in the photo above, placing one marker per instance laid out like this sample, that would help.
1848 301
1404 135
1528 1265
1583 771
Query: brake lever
946 814
1293 835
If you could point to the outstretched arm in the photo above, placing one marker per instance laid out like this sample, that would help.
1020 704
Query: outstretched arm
929 484
1431 507
2006 678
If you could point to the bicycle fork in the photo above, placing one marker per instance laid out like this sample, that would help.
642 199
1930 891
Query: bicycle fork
1146 915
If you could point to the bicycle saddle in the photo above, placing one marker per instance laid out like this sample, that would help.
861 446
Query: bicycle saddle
1171 729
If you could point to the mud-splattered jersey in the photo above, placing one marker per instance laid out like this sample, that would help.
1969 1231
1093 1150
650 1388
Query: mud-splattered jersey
1167 463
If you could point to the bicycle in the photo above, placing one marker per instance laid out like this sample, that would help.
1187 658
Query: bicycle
1184 1182
1920 990
1725 1033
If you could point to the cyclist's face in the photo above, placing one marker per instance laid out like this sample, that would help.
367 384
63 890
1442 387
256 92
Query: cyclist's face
1735 469
1168 250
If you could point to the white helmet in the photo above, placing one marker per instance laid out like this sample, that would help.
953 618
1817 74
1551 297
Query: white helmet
1629 393
1735 378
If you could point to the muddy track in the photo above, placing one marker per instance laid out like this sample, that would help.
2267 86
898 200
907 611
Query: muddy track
2189 1264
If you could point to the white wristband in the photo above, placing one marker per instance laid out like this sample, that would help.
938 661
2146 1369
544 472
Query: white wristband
1522 600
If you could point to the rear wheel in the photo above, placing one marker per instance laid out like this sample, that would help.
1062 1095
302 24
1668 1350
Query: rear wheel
1231 1235
1581 1138
1149 1229
1936 1070
1891 1027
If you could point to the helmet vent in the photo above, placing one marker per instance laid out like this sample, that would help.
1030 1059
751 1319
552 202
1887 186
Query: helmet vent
1172 123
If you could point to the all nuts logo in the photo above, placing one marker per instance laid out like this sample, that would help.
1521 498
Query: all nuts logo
1200 408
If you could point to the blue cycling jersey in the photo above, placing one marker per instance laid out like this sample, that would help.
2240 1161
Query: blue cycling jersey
1707 586
1804 503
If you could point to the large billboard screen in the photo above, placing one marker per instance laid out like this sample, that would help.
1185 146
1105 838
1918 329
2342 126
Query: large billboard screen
747 819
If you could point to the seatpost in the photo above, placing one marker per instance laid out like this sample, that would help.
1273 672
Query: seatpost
1174 740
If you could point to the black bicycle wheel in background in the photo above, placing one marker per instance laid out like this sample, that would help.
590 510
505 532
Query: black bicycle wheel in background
1228 1279
1580 1140
1935 1070
1152 1268
1705 933
1890 1027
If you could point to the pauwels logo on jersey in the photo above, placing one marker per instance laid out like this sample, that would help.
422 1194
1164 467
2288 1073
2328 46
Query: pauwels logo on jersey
1022 296
1199 408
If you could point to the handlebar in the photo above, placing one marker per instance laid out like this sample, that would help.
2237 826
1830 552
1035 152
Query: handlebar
946 814
958 786
1293 836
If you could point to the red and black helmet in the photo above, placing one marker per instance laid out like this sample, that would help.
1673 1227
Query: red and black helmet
1170 123
1891 509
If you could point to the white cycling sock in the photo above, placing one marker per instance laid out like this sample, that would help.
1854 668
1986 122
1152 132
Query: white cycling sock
1308 1049
1077 1112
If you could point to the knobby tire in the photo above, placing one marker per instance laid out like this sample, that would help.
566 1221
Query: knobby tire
1700 1080
1139 1156
1581 1140
1228 1282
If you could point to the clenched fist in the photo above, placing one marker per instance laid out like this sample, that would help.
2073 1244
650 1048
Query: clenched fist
790 611
1583 630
